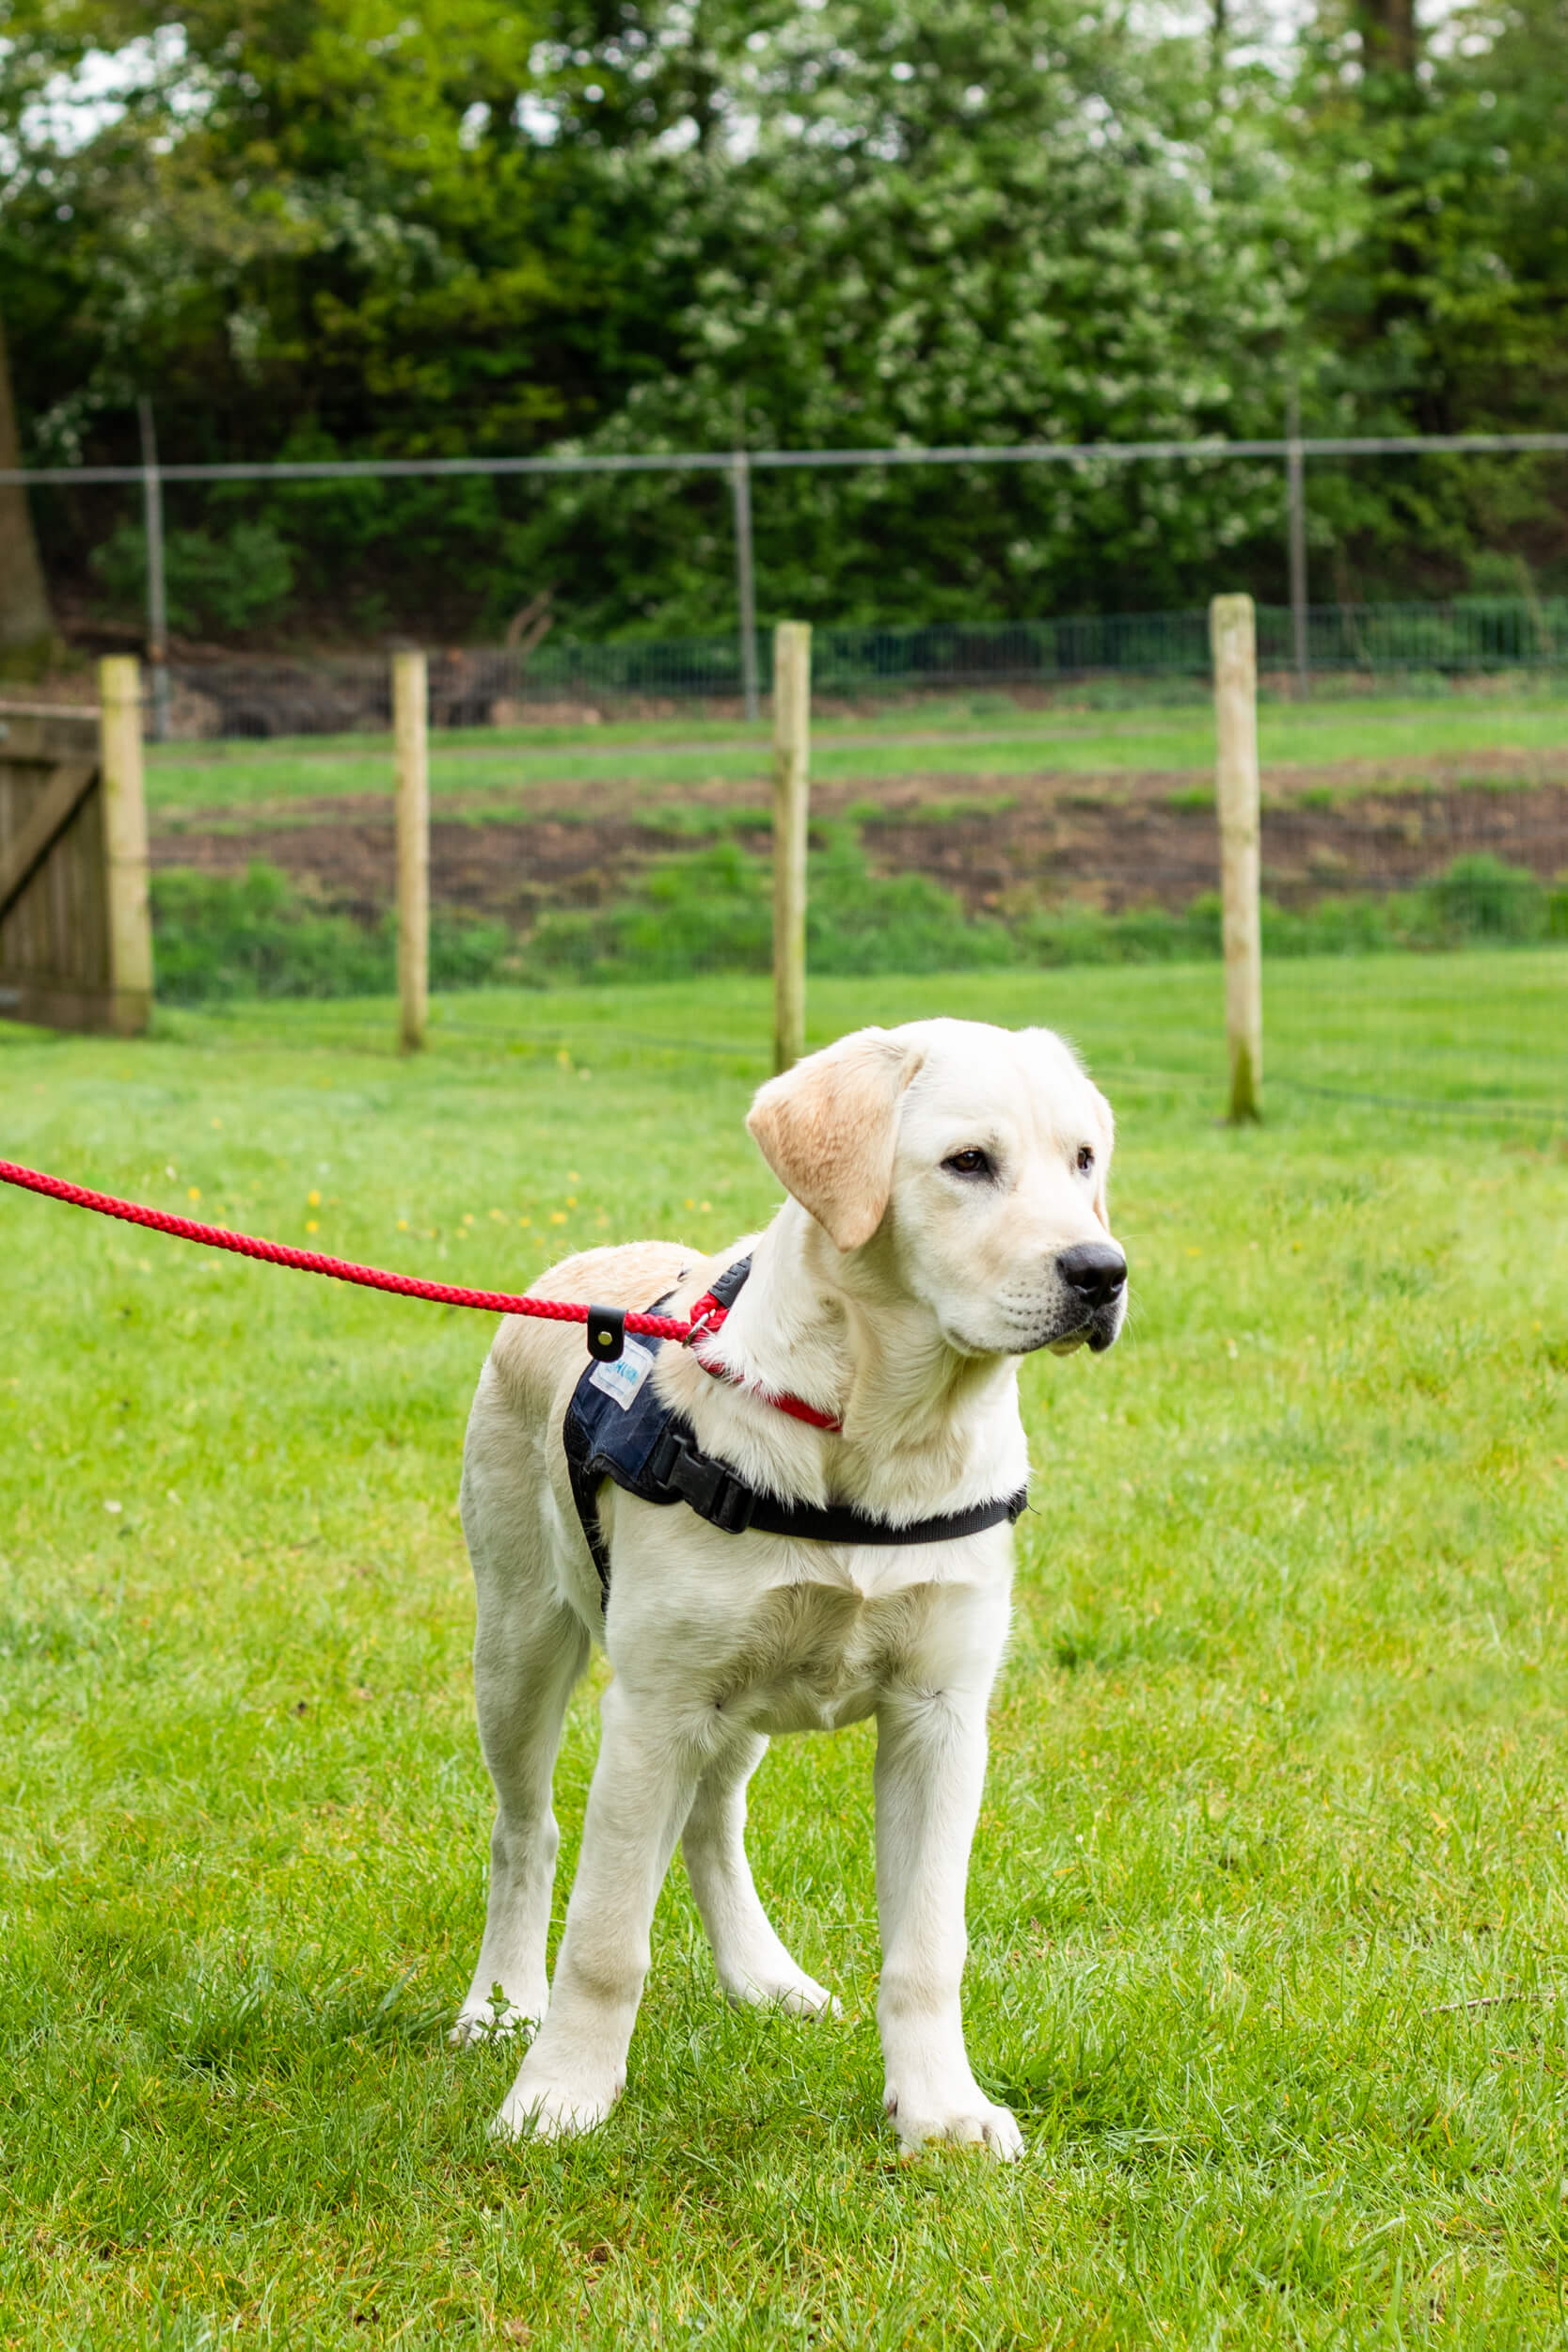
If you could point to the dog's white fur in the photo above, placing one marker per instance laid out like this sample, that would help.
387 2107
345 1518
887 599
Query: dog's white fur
898 1293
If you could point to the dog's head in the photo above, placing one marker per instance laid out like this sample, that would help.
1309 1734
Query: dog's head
969 1163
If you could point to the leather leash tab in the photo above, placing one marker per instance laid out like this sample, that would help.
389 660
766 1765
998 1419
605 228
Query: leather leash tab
606 1333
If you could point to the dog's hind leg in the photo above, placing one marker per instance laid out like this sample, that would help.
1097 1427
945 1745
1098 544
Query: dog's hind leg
524 1670
530 1648
752 1965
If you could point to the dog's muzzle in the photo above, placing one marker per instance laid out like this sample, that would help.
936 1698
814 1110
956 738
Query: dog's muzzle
1093 1274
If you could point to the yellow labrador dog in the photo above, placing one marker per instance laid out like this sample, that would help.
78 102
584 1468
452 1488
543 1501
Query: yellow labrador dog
947 1216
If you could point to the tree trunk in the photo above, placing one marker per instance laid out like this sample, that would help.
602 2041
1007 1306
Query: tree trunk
1388 38
1391 95
26 625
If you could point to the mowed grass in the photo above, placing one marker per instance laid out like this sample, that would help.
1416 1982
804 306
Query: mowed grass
1268 1915
1475 1033
982 735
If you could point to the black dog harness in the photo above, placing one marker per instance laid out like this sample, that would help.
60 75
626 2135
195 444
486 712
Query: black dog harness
618 1428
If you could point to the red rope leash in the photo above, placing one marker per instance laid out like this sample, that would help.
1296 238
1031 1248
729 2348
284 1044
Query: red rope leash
312 1262
607 1325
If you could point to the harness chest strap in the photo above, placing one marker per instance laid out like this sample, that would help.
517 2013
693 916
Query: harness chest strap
618 1428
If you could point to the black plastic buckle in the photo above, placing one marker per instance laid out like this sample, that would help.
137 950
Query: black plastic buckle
730 1284
663 1455
606 1333
713 1492
733 1508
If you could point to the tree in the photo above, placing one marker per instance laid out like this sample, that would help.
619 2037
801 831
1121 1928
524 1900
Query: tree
301 228
1447 309
969 224
1389 41
348 226
26 628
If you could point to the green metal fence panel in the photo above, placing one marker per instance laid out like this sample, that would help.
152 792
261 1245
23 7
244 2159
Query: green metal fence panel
483 687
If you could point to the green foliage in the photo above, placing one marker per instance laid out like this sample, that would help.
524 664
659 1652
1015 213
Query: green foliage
712 910
225 583
709 911
1082 935
1045 267
1441 310
1481 897
858 922
360 228
219 938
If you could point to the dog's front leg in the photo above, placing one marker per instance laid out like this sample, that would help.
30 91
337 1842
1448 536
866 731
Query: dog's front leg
930 1768
643 1784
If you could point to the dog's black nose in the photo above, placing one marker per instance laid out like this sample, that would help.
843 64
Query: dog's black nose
1095 1270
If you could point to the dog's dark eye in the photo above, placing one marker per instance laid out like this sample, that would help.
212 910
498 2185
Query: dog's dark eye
968 1164
1086 1159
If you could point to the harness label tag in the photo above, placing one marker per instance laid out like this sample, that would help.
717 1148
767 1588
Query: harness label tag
625 1376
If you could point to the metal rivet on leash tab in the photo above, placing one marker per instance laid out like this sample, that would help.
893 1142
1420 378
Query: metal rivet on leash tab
606 1333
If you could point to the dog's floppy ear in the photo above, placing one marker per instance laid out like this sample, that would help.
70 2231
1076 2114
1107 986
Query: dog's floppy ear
1105 1117
828 1127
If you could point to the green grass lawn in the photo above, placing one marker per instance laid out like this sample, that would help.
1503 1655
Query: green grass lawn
983 735
1270 1901
1481 1032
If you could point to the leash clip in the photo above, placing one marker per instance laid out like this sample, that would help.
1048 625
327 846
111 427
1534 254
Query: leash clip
709 1315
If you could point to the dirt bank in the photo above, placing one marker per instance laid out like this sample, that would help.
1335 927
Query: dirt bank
1113 842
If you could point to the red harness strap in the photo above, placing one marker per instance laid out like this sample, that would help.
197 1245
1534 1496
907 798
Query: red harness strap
708 1315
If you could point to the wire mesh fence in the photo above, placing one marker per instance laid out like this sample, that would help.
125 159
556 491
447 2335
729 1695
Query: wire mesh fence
1448 640
562 682
593 899
1463 1037
1433 978
598 881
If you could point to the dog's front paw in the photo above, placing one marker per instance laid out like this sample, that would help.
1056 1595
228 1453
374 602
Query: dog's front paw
491 2025
545 2110
968 2120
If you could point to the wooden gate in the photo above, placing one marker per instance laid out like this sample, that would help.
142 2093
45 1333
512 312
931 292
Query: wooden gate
75 931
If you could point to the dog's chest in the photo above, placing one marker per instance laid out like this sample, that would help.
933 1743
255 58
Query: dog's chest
816 1655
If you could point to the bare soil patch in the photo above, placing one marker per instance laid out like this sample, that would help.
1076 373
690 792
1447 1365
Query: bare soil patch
1001 843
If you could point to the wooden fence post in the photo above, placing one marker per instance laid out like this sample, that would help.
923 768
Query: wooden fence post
791 799
410 707
1233 637
125 873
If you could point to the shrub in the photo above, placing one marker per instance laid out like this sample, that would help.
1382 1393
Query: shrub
1080 935
861 923
218 937
711 911
224 583
1336 927
1480 898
